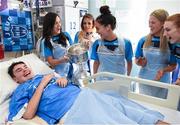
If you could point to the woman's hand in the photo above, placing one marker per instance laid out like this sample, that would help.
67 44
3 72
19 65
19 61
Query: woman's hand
62 82
141 61
178 81
64 59
159 75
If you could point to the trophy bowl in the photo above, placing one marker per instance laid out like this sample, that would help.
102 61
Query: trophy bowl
77 53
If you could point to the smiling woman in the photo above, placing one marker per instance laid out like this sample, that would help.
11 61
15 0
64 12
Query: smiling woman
86 37
172 32
110 53
152 54
54 44
172 28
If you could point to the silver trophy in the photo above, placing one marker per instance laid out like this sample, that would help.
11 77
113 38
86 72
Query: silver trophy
78 54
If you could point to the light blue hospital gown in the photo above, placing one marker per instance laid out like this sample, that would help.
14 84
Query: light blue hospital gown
85 106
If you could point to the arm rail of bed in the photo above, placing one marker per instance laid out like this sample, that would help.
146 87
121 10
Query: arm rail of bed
126 81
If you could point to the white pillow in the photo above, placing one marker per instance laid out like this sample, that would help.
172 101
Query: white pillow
7 85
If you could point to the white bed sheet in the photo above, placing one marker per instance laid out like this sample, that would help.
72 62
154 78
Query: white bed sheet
171 116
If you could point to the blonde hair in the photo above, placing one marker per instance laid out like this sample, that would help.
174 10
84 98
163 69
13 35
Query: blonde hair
161 15
81 35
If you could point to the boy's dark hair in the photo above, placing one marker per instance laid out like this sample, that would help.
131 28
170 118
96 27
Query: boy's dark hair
11 67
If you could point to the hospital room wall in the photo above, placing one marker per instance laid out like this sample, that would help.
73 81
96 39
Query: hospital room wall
132 16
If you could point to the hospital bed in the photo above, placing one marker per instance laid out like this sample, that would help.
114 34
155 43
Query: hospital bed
122 85
119 85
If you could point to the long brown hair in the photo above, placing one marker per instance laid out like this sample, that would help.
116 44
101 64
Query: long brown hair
48 25
89 16
161 15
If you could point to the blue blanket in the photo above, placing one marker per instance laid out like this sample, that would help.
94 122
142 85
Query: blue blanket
92 107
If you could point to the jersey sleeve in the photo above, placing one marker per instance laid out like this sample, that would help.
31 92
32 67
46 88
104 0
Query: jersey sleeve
139 50
47 52
173 59
18 104
128 50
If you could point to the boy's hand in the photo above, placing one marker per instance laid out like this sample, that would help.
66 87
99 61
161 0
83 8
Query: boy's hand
62 82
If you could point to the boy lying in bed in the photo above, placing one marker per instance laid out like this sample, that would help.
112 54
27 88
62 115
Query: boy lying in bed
52 98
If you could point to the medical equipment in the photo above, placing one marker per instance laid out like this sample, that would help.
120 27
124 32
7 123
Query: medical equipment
120 84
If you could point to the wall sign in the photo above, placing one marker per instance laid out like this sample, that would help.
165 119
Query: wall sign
17 30
42 3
